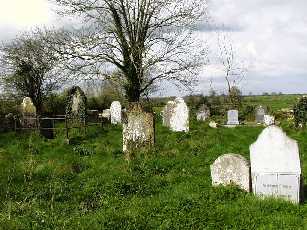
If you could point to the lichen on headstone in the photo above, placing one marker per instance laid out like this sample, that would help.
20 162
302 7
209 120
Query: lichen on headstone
138 130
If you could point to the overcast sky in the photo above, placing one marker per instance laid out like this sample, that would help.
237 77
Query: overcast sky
269 37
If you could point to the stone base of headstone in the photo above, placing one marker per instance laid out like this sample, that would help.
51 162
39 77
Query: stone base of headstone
138 130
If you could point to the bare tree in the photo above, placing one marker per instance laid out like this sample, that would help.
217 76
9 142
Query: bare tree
233 67
29 68
148 41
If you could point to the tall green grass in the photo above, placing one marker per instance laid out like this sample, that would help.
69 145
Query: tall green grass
47 184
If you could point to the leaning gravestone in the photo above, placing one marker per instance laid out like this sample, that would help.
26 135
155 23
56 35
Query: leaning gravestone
260 112
275 165
28 111
167 112
231 169
138 129
232 117
179 118
116 112
76 107
203 113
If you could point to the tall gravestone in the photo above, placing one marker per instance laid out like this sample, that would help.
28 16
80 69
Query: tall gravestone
138 129
167 112
116 113
179 118
76 105
232 117
28 111
203 113
231 169
260 112
275 165
46 128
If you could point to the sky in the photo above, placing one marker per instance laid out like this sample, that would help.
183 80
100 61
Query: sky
269 39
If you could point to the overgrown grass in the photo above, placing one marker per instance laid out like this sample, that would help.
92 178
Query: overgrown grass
47 184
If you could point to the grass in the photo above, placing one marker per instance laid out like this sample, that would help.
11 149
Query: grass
47 184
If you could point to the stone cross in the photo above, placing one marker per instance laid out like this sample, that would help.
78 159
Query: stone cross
275 165
232 117
179 118
231 169
116 112
138 129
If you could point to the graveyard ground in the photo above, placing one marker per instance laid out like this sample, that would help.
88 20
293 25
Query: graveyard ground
47 184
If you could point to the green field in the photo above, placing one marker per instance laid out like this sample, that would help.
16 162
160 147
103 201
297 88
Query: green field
47 184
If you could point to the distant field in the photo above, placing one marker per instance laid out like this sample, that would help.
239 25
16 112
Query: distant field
47 184
274 102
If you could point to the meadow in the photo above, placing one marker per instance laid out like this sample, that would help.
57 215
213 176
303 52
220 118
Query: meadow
47 184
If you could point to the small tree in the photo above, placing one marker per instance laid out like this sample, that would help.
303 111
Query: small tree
29 68
300 112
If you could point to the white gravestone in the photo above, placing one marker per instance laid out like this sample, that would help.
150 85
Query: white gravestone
231 169
167 112
179 119
260 112
269 120
203 113
275 165
116 112
232 117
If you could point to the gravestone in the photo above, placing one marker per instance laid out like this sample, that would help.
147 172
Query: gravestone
138 129
179 118
275 165
260 112
46 128
269 120
76 106
232 117
231 169
28 111
203 113
116 112
106 113
167 112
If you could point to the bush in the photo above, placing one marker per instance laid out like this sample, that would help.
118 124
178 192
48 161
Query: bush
300 112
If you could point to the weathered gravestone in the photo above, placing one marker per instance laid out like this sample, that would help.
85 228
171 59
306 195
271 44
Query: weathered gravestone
231 169
138 129
46 128
203 113
167 112
28 111
275 165
268 120
116 112
76 107
260 112
232 117
179 118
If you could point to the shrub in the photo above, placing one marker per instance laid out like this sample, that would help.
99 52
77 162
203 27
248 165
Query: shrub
300 112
